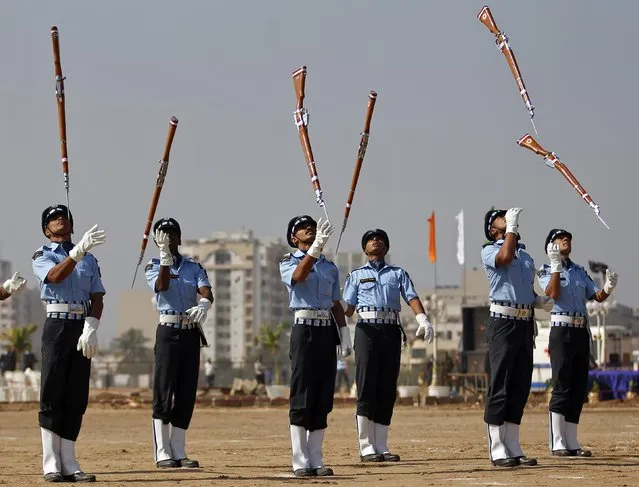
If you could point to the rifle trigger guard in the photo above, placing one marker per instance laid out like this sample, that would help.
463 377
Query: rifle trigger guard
549 162
503 42
301 117
59 87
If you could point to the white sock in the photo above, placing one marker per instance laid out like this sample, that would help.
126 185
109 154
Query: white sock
315 439
496 442
571 436
557 431
161 441
381 438
299 445
177 440
51 462
512 440
365 428
67 456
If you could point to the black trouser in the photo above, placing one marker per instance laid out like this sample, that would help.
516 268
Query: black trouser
569 357
377 357
64 384
177 365
313 365
510 351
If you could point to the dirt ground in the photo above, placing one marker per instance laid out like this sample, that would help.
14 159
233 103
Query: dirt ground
439 445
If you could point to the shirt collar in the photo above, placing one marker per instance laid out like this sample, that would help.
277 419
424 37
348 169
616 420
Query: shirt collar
378 265
61 245
567 263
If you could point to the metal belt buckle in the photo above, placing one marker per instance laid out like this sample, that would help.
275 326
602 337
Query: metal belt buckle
323 314
76 308
522 313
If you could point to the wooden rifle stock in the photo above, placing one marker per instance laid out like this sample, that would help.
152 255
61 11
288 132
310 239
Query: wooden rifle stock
301 121
551 160
159 183
361 152
486 17
60 98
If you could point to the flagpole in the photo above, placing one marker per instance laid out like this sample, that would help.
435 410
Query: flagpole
464 267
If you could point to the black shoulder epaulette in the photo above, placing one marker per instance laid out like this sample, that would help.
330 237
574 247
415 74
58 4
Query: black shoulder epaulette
148 267
286 257
38 253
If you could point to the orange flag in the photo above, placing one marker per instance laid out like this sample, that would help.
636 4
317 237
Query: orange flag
432 247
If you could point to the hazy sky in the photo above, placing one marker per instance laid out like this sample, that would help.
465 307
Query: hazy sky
443 134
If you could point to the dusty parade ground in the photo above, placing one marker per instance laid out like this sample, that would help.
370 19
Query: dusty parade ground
439 445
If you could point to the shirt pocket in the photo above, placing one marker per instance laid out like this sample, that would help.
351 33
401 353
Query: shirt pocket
325 285
391 285
84 278
188 284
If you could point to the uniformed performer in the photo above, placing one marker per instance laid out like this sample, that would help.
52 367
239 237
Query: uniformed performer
509 334
71 286
374 290
570 286
177 281
314 292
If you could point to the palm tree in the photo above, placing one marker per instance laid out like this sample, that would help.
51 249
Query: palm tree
269 337
131 346
19 338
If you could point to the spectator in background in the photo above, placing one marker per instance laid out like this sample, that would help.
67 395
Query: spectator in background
260 370
9 359
209 373
28 359
342 375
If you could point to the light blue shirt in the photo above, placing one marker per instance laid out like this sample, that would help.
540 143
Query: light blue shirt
187 276
577 287
514 283
320 290
367 286
83 281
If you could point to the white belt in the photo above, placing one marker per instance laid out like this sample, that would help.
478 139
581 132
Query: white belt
377 315
516 313
570 320
73 308
313 314
176 319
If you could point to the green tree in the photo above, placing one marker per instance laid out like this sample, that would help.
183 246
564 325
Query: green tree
20 339
270 338
131 347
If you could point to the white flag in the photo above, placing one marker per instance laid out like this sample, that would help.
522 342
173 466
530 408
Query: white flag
460 237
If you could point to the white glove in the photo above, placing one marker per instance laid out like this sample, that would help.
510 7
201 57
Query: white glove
512 220
324 230
197 314
544 302
425 329
346 343
88 341
555 257
611 281
14 284
162 239
92 238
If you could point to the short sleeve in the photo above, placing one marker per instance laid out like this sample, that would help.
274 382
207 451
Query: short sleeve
350 290
408 288
489 255
152 270
42 264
